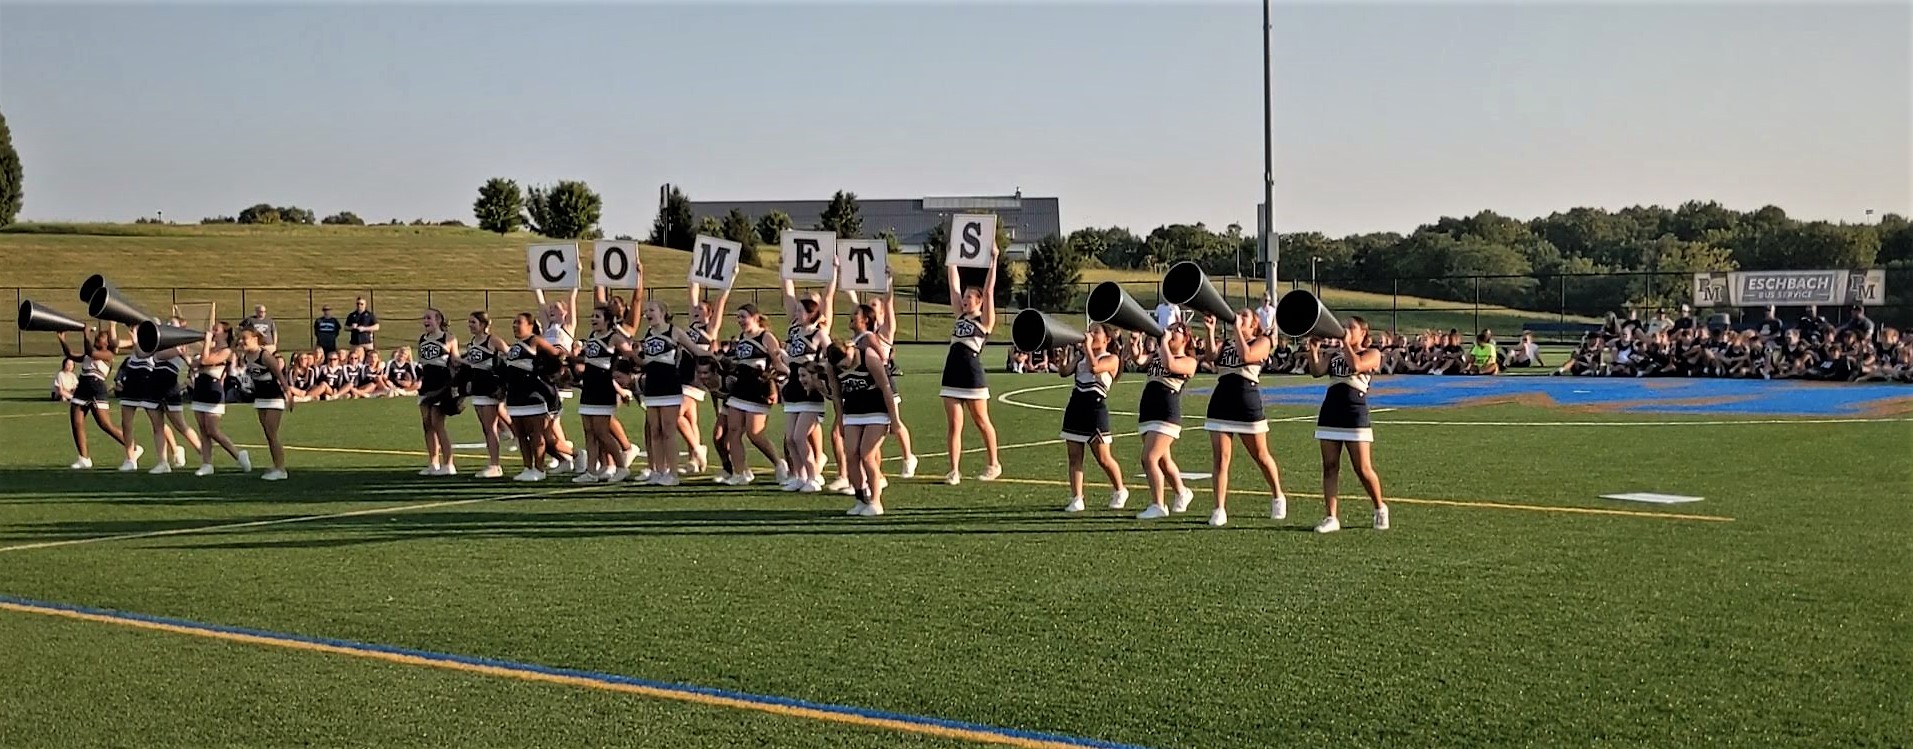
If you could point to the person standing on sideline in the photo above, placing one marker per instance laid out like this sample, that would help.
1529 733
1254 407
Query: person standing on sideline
325 330
259 323
1343 421
1265 314
1167 314
363 325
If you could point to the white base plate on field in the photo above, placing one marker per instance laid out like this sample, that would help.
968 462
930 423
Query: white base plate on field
1649 497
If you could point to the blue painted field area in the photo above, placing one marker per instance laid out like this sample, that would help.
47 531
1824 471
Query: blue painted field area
1620 395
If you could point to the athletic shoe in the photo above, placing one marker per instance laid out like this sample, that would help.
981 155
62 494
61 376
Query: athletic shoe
1183 498
529 474
431 470
129 466
275 474
586 478
1381 518
137 452
618 476
953 478
1328 525
179 456
551 463
205 469
1219 517
161 467
990 474
1075 505
629 454
783 472
883 483
1278 508
448 470
741 479
909 467
857 509
580 461
490 472
670 478
722 477
792 485
846 491
81 464
703 460
813 486
872 510
838 484
245 462
1154 511
1118 498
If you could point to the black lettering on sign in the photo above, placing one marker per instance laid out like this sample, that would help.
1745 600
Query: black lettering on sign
544 265
862 254
710 261
972 241
617 265
807 261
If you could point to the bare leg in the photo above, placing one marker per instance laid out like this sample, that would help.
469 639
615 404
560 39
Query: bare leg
107 425
1257 445
953 419
1361 454
980 413
1331 475
754 430
1075 469
1155 448
1220 444
79 427
1107 460
869 447
488 426
269 422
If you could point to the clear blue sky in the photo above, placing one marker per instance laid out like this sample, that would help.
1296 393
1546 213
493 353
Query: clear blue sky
1387 116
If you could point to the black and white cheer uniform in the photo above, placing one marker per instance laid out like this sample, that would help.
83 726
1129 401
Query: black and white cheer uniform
528 391
162 383
480 376
1344 414
662 386
751 392
1086 417
1161 409
268 394
963 368
801 348
863 399
687 365
91 391
434 362
209 389
598 391
1235 406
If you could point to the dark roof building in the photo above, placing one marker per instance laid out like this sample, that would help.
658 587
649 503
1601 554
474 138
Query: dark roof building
1027 219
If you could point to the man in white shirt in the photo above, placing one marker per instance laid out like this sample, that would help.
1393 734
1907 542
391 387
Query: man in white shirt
1166 314
1266 312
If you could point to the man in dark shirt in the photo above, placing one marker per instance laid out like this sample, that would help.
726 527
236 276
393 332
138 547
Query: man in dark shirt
1859 324
1686 320
1770 324
325 330
1810 323
363 324
267 329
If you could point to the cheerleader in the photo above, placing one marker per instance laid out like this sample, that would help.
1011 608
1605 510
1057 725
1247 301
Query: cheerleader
884 339
805 342
624 379
964 388
1160 419
598 397
136 383
479 379
268 394
168 414
558 323
1086 417
90 394
1343 424
755 357
1235 407
664 344
862 392
703 330
437 399
209 398
530 393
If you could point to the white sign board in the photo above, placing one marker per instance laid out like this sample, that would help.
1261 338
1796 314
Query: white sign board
972 240
809 255
616 264
714 261
1790 288
553 266
863 264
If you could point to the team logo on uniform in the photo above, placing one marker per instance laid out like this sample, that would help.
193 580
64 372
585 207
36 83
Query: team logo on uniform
1229 356
655 346
1339 366
431 350
795 347
968 329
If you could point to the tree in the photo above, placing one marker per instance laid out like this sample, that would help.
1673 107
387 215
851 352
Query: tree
891 245
710 226
500 206
262 213
1055 268
1896 239
292 214
771 226
12 182
343 218
675 226
738 228
933 285
1674 262
567 210
842 216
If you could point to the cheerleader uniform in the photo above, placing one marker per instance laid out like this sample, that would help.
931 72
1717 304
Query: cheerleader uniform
662 388
1235 405
162 384
526 392
863 399
481 380
890 368
1161 409
91 390
209 389
267 393
801 348
687 365
1344 414
560 339
434 364
134 373
1086 417
963 368
751 391
598 393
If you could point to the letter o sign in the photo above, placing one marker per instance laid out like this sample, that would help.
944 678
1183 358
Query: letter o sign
616 264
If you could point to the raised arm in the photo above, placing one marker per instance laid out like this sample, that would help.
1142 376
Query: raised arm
68 350
956 289
1318 366
793 309
989 294
718 314
1181 364
829 304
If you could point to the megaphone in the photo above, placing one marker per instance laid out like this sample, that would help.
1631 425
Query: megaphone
1035 331
1300 314
1108 303
109 304
37 316
151 336
91 286
1186 285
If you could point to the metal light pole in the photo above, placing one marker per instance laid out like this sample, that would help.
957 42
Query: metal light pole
1267 227
1312 281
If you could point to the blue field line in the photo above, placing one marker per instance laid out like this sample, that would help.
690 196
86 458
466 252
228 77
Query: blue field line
1669 395
532 668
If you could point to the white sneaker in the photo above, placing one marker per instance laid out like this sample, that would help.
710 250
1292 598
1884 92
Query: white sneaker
551 463
990 474
586 478
627 455
274 475
529 474
179 456
1328 525
245 462
909 467
1118 498
1183 498
490 472
1278 508
129 466
1075 505
1219 518
857 509
81 464
1154 511
670 478
137 452
953 478
580 461
846 491
1381 518
448 470
871 511
703 461
618 476
792 485
161 468
721 478
205 469
883 483
431 470
814 486
783 472
838 484
740 479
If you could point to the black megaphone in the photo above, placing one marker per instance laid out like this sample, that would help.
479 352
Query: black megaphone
1186 285
91 286
1109 304
152 336
1034 331
1301 314
35 316
109 304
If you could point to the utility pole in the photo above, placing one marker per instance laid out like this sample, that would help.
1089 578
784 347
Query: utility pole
1267 228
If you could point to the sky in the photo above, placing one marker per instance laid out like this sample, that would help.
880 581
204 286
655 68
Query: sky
1386 116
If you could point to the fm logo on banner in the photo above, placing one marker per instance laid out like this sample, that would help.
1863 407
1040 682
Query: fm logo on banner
553 266
616 264
863 264
714 262
972 240
809 255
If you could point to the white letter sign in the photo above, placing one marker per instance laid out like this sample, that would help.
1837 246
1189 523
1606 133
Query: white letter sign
972 240
714 261
616 264
862 264
553 266
809 255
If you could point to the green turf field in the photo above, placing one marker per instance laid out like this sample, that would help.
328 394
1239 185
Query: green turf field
1508 606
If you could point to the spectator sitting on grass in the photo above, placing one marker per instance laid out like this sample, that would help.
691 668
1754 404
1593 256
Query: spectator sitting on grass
65 381
1483 357
1524 354
1587 359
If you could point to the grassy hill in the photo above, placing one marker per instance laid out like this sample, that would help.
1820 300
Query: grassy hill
294 270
